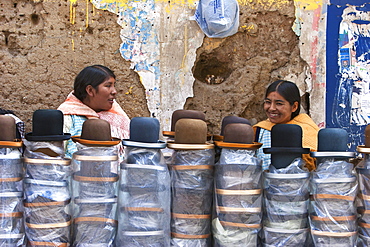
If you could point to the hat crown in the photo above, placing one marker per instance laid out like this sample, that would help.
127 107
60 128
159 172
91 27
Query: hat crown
190 131
232 119
286 135
47 125
187 114
96 130
7 128
238 133
144 129
332 140
47 122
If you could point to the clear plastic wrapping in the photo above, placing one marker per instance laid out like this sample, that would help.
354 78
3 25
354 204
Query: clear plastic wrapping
238 198
333 212
286 201
94 195
144 199
192 192
47 194
363 201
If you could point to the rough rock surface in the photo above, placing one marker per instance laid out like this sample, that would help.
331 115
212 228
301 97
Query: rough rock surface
42 49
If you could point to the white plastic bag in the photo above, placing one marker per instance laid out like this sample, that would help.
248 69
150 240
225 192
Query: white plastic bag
218 18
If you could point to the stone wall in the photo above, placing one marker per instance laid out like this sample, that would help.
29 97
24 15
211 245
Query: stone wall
44 44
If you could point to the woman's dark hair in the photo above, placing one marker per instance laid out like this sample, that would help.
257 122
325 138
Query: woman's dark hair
92 75
288 90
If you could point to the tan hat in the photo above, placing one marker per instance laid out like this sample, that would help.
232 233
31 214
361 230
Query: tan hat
190 134
238 136
180 114
96 132
8 132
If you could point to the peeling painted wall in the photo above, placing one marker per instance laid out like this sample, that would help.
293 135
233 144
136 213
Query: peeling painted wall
162 59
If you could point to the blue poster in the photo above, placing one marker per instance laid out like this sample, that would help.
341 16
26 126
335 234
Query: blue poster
348 68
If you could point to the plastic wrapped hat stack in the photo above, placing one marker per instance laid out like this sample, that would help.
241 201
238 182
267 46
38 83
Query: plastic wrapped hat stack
95 185
238 188
363 170
46 182
11 185
334 188
144 195
169 136
192 184
286 189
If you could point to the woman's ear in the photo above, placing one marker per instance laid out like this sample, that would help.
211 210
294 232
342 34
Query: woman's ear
295 106
90 90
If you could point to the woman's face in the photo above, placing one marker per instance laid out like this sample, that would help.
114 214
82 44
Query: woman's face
101 99
278 109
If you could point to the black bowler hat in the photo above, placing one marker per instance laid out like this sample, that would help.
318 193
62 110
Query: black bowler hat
286 145
144 132
47 125
332 142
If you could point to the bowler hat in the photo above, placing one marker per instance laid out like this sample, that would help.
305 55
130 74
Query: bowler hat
238 136
332 142
228 120
8 132
365 148
47 125
286 145
190 134
144 132
96 132
180 114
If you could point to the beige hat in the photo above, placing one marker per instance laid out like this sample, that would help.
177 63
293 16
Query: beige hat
8 132
96 132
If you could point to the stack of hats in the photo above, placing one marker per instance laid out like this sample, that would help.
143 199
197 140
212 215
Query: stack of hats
229 120
95 185
11 189
170 135
238 188
286 189
192 184
334 189
46 183
363 170
144 191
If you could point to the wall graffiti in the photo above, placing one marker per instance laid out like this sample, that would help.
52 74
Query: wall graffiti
348 63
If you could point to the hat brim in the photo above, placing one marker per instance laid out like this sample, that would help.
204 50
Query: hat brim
168 133
363 149
221 144
217 138
30 137
11 144
154 145
181 146
283 150
333 154
113 142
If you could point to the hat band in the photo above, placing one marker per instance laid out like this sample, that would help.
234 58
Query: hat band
95 158
253 226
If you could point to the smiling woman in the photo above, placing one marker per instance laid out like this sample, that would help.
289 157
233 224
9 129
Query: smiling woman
282 105
93 96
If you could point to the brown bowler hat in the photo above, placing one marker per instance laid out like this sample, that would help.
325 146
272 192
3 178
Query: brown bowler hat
180 114
190 134
96 132
8 132
238 136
